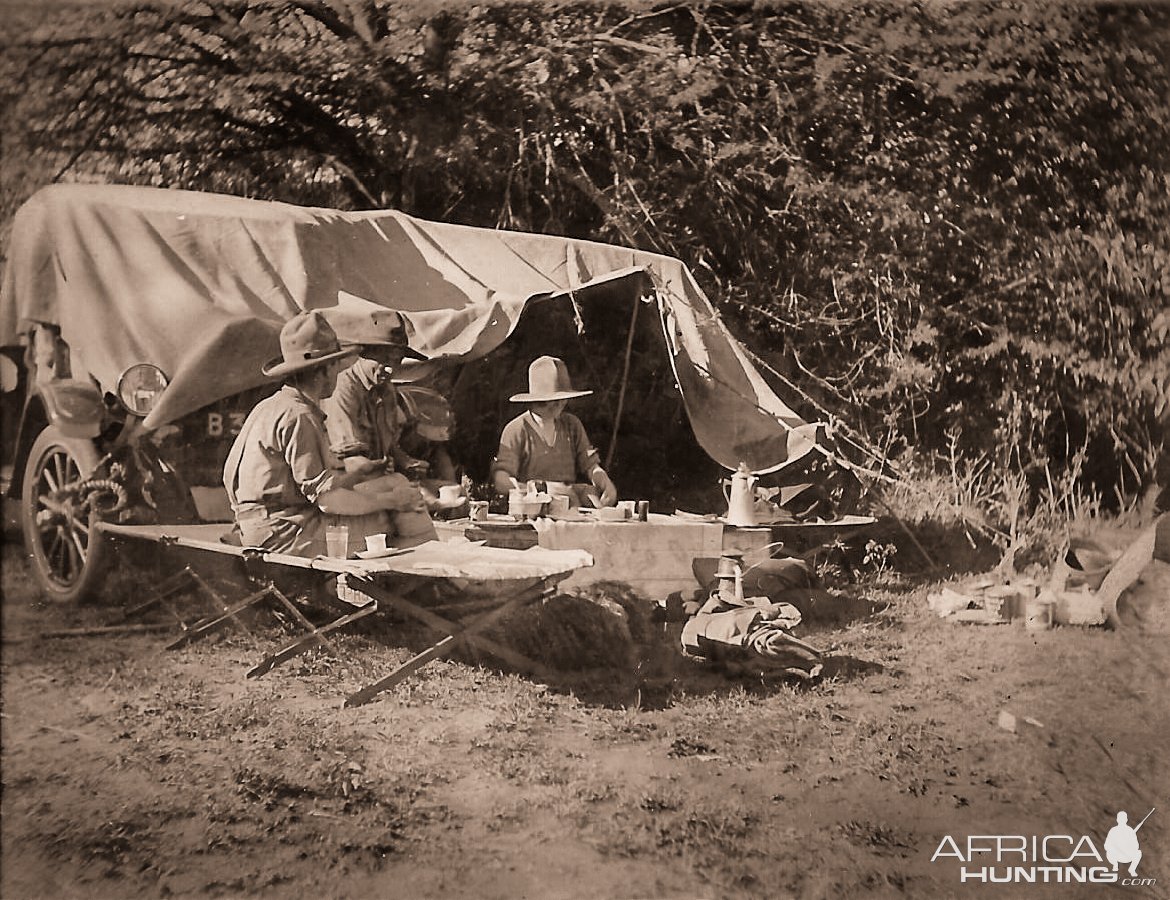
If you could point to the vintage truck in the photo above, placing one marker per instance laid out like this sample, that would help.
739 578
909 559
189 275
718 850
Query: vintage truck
134 323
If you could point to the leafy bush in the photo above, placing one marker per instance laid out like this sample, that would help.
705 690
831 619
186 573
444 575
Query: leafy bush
915 215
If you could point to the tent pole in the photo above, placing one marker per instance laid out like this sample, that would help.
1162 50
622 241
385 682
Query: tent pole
617 416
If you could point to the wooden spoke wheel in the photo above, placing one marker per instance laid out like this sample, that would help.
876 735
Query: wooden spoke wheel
65 549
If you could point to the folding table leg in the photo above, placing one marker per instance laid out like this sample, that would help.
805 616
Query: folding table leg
299 646
186 579
474 641
220 602
444 646
369 692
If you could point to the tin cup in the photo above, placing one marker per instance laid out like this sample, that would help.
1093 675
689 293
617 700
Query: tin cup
642 509
375 543
451 494
337 541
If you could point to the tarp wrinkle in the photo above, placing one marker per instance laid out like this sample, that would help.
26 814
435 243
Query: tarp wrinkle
199 284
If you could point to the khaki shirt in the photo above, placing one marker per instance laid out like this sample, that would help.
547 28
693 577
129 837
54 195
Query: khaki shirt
278 466
362 414
526 456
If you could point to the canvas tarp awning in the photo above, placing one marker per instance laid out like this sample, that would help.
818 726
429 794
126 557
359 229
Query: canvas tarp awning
199 284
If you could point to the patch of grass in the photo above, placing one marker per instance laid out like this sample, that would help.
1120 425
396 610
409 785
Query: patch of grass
717 841
877 837
732 789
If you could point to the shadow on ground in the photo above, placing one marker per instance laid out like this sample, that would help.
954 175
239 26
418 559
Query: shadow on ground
607 646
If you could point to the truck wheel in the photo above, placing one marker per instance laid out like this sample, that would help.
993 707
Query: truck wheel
65 548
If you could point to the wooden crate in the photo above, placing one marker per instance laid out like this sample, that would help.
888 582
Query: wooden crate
509 536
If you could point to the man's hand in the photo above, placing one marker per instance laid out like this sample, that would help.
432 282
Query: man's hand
368 468
603 483
406 498
416 469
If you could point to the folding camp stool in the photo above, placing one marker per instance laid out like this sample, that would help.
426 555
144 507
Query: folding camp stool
453 633
186 580
224 614
315 636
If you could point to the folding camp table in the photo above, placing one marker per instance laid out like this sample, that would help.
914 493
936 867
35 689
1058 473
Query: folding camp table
482 585
655 556
489 582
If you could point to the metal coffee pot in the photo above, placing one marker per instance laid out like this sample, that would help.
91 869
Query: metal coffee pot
739 491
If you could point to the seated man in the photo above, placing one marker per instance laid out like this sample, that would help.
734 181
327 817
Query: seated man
362 416
283 482
427 423
548 444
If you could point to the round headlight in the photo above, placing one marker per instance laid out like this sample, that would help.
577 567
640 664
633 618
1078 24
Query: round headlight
140 386
9 374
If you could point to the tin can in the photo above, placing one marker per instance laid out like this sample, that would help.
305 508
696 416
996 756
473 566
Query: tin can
642 510
1000 601
478 510
1038 614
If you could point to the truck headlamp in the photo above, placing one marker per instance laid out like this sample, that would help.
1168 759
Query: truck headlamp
139 388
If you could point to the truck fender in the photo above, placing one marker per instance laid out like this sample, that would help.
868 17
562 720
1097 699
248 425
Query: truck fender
74 406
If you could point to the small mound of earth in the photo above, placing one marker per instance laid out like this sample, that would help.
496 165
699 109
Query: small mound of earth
1146 604
604 625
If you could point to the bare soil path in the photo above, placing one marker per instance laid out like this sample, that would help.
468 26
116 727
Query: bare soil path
129 771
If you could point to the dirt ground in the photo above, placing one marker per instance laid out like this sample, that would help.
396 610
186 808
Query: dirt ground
132 771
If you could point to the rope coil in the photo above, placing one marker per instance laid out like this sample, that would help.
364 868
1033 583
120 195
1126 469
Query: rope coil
101 495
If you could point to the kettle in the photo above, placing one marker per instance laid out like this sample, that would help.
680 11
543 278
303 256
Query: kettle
739 491
730 577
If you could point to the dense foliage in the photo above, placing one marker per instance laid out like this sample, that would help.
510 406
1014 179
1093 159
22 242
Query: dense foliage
941 222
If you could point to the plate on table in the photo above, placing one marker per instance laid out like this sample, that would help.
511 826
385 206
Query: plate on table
503 521
571 516
381 554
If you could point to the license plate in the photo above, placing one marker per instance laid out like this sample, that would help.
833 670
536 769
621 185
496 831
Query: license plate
224 424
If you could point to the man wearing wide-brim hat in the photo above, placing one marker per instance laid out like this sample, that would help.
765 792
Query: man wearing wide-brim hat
547 444
283 482
363 415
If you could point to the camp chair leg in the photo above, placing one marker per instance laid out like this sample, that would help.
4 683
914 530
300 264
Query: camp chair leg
165 590
316 637
455 633
300 617
200 629
181 581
